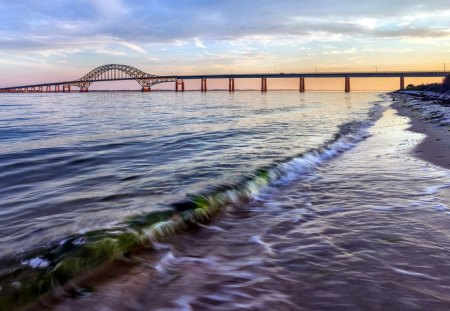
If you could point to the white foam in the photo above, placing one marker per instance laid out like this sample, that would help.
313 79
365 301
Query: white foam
307 163
160 246
249 283
384 208
416 204
212 228
239 294
183 303
36 263
169 262
165 262
440 207
415 274
256 239
435 189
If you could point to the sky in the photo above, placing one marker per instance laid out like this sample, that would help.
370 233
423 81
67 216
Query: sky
58 40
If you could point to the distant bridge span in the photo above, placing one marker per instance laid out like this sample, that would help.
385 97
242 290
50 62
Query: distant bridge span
115 72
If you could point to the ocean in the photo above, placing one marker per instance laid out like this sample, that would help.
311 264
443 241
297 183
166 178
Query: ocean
248 200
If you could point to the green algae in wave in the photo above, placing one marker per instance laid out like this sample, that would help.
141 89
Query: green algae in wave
41 271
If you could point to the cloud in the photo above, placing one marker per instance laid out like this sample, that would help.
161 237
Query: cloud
177 21
348 51
134 47
199 43
173 31
110 52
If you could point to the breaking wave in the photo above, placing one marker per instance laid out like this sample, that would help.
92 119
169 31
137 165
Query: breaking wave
30 275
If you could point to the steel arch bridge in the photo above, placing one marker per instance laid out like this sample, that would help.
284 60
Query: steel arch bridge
113 72
110 72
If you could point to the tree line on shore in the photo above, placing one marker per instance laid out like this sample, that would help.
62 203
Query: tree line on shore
443 87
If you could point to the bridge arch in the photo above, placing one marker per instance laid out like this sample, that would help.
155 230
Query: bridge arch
113 72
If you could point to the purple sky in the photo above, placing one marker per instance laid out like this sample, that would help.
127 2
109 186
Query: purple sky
56 40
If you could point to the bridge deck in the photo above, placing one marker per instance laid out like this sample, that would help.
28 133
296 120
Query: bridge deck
396 74
392 74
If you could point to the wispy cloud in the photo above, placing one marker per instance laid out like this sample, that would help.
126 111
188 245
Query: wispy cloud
199 43
134 47
110 52
232 32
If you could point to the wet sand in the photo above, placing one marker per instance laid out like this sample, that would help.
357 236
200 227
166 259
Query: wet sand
366 231
435 148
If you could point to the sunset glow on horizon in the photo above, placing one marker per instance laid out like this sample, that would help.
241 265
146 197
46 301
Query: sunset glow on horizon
62 40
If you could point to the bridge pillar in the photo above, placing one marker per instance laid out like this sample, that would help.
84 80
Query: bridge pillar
203 86
263 84
402 83
66 88
146 89
347 84
84 89
230 84
302 85
180 83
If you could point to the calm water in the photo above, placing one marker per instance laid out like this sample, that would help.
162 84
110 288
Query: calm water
347 220
70 163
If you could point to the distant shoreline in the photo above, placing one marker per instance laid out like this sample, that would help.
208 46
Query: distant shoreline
225 90
427 95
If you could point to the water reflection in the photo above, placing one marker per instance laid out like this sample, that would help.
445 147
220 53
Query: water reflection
364 231
75 162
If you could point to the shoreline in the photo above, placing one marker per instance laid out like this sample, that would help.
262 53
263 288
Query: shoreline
190 267
435 147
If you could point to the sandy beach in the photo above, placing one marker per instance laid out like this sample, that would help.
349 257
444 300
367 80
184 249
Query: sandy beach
435 148
224 155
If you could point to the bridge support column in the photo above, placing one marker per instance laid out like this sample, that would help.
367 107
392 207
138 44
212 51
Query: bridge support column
402 83
146 89
181 84
302 85
66 88
84 89
203 86
347 84
230 84
263 84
